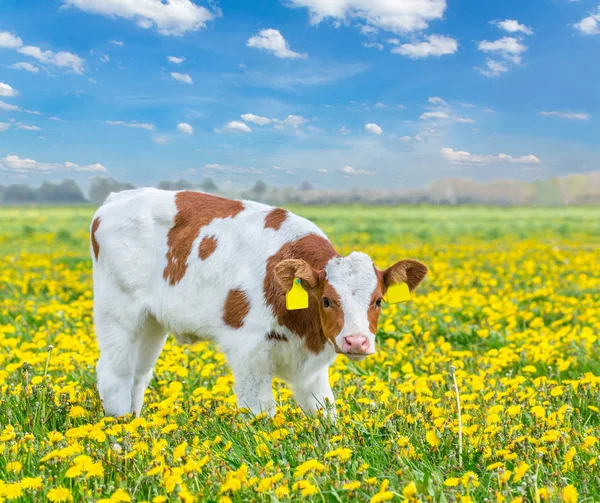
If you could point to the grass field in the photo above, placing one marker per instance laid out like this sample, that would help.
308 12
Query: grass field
512 303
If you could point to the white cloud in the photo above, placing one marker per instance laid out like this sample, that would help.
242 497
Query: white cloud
272 41
493 68
589 25
513 26
380 105
32 112
185 128
435 45
171 17
373 128
4 126
55 119
26 127
344 131
488 110
463 120
390 15
462 157
295 79
257 119
9 41
160 139
234 127
8 107
28 67
293 120
368 30
14 163
508 47
434 115
104 58
64 60
7 91
373 45
134 125
182 77
239 170
322 170
349 170
117 42
175 60
405 139
567 115
436 100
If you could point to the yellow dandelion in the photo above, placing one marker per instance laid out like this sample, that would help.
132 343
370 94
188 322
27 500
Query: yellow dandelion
14 466
409 490
569 494
342 454
11 491
32 483
432 438
384 496
120 496
77 411
308 466
282 491
59 494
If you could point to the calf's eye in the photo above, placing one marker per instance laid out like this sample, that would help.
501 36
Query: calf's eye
378 302
326 302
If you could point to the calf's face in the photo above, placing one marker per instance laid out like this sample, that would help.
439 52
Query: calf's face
349 292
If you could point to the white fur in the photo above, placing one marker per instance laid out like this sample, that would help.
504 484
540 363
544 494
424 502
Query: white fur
135 307
354 280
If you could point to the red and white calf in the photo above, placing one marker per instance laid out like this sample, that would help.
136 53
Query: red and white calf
205 267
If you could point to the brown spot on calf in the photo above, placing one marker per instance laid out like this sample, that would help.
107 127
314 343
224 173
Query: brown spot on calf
194 211
95 244
207 247
236 308
315 251
275 218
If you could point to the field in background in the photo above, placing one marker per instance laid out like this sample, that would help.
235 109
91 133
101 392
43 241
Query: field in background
512 303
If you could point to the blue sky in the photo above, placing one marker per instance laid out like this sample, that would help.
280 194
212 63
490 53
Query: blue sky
343 93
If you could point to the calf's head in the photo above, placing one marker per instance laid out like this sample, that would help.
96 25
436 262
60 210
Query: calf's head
349 292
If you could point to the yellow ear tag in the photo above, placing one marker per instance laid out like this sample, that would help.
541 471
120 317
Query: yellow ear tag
398 292
297 297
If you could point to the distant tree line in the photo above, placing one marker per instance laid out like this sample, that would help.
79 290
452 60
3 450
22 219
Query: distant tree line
568 190
67 192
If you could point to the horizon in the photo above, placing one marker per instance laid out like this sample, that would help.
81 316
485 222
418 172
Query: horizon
365 95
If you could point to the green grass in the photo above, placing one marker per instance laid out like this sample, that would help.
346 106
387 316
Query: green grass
512 302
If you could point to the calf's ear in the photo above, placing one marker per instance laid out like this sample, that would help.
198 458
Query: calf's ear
410 272
287 270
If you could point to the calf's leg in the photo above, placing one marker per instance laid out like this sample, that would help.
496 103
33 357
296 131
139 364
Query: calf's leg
314 392
253 374
150 341
115 367
117 320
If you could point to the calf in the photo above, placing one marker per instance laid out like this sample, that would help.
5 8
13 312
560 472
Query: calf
205 267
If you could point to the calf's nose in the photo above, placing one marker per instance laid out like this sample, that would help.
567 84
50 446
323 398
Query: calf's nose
357 344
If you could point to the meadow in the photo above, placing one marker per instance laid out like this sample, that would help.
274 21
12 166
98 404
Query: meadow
508 319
